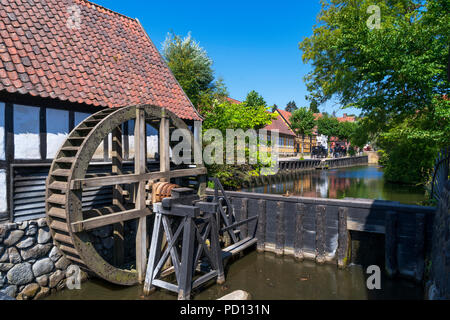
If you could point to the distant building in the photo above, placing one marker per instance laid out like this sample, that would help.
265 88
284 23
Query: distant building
308 142
286 136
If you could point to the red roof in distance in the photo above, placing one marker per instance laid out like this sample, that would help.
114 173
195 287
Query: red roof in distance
80 52
280 125
233 101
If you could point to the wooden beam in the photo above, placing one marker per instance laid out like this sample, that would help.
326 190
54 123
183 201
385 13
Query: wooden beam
298 237
261 233
117 164
133 178
343 238
391 243
320 233
164 141
139 168
109 219
280 237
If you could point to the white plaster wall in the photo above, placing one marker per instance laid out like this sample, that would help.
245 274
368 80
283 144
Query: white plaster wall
3 202
57 130
2 131
26 132
152 141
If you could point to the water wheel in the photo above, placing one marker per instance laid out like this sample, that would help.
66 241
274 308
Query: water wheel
72 226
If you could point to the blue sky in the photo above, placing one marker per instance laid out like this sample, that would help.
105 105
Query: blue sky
254 44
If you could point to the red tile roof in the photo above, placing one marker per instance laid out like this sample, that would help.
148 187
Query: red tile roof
107 60
233 101
286 115
280 125
346 118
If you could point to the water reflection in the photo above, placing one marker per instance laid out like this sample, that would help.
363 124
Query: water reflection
365 182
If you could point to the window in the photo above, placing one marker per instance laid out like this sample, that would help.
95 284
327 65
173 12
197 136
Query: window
26 132
57 130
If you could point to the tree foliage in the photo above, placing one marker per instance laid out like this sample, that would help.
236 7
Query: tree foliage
314 106
291 106
328 126
190 65
254 99
398 68
303 121
396 74
226 115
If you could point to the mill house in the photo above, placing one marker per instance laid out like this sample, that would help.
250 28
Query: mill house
61 61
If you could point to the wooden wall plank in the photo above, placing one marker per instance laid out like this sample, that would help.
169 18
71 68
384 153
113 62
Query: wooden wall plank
298 240
391 244
261 233
320 233
279 246
343 239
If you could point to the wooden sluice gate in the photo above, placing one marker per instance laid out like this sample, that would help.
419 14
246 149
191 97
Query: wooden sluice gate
320 229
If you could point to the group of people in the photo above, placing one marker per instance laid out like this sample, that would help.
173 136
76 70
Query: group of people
338 151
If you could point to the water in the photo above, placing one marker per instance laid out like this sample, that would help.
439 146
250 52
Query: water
364 182
267 277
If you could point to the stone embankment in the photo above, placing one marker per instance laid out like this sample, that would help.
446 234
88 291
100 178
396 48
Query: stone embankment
31 266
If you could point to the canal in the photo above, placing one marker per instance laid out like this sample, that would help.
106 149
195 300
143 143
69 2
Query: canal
366 182
265 276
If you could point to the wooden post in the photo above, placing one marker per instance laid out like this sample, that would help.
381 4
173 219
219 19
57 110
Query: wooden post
187 258
279 247
261 233
320 234
164 142
419 246
155 252
117 195
343 239
244 216
139 168
298 237
391 243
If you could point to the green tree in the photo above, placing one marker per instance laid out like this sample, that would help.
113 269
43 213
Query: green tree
216 94
291 106
225 115
399 67
303 122
254 99
274 108
190 65
314 106
396 74
328 126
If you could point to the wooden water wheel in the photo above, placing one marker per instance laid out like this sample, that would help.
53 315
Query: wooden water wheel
71 226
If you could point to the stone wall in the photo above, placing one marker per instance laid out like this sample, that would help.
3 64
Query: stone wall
439 284
31 266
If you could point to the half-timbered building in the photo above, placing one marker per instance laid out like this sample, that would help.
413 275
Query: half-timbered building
61 61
